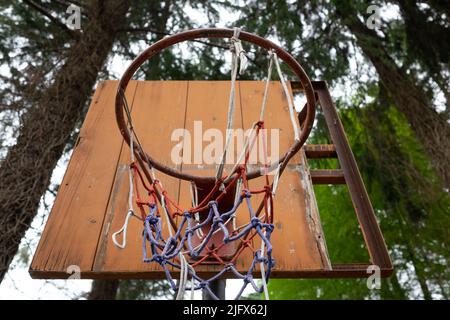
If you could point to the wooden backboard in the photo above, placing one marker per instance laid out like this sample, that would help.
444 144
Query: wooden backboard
92 200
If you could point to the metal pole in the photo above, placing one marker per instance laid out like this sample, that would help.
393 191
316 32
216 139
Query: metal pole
217 287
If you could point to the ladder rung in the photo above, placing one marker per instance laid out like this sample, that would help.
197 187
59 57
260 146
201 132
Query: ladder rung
321 176
317 151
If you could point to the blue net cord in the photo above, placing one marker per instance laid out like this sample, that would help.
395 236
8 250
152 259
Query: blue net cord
164 252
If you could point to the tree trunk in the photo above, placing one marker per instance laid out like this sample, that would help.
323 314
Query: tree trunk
431 128
428 43
408 231
47 125
104 290
394 290
420 273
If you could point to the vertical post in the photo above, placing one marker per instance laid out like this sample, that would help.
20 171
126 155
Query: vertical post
218 288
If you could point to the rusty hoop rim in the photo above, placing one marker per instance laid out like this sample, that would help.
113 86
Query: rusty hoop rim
169 41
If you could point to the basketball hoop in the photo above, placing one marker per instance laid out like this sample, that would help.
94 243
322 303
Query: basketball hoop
224 229
169 41
207 232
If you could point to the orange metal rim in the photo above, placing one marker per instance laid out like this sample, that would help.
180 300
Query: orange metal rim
169 41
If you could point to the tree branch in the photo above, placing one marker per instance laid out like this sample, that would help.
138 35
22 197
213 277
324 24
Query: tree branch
211 44
47 14
168 34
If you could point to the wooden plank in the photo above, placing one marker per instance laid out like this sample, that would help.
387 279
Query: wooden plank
73 228
207 102
294 239
312 212
156 112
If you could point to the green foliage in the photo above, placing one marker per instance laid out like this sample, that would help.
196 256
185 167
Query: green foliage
412 209
305 29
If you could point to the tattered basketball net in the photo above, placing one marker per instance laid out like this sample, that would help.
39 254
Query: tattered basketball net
190 242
